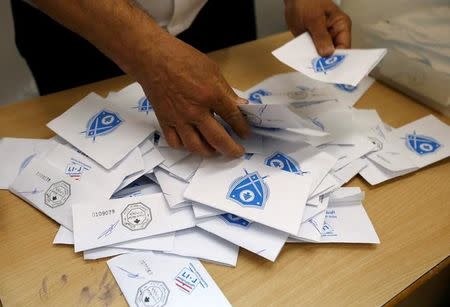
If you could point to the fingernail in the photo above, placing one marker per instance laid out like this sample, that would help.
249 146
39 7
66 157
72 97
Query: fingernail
242 101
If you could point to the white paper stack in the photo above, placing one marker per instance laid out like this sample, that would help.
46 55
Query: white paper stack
116 188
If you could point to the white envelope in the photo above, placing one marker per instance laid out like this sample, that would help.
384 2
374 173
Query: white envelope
63 236
361 146
51 191
108 222
197 243
80 167
172 188
347 224
185 168
299 158
305 91
161 242
202 211
132 98
252 144
414 145
155 243
328 184
103 252
251 190
311 211
346 173
148 279
16 154
375 174
101 130
259 239
138 190
276 116
308 229
345 66
151 158
346 195
282 134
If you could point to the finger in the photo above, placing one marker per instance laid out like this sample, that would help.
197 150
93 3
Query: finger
340 30
216 135
193 142
322 39
172 137
227 109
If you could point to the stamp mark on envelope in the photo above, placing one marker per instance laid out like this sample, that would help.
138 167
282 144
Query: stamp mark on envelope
136 216
152 294
57 194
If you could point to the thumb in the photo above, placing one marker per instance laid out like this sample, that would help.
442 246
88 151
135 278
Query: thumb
321 37
228 110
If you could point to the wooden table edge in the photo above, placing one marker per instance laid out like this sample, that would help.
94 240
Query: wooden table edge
422 280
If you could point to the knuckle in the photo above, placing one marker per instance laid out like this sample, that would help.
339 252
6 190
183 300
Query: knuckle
233 115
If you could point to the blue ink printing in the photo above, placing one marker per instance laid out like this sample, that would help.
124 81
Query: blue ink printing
144 105
421 144
130 274
249 190
283 162
102 123
324 64
26 161
108 230
187 280
235 220
255 96
346 87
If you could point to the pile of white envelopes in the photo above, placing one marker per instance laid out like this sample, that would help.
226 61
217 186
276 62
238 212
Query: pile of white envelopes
115 187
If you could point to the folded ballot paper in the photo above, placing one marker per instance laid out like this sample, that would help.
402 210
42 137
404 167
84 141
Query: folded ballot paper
251 189
116 188
148 279
95 127
344 66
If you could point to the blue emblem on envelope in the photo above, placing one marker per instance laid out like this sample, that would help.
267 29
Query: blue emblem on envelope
235 220
255 97
346 87
324 64
249 190
102 123
283 162
421 144
144 105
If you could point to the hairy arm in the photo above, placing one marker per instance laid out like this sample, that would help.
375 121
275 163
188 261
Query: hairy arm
184 86
118 28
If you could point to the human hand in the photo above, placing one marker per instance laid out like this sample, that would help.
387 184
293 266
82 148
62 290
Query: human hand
328 25
186 88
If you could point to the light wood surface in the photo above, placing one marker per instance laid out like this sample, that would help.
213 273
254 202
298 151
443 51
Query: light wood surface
411 215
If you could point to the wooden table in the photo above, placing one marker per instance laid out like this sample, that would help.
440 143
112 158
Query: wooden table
410 214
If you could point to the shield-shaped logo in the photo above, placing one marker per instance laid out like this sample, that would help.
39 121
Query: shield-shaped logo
421 144
235 220
255 97
102 123
249 190
283 162
144 105
324 64
346 87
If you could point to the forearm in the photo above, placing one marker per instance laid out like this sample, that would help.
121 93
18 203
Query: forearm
119 29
